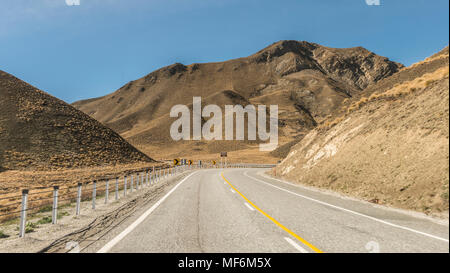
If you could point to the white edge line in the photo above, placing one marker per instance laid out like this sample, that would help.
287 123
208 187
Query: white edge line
248 206
295 245
350 211
130 228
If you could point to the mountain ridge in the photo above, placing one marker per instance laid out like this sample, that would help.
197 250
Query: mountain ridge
308 81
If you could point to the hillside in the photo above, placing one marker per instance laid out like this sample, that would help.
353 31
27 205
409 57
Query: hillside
307 81
38 132
390 147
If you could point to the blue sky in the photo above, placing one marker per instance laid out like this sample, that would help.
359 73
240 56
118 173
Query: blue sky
90 50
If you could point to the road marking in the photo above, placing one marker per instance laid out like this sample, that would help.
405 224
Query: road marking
232 191
130 228
295 245
249 207
347 210
273 220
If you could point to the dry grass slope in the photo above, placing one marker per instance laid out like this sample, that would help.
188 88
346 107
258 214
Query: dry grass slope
40 132
389 147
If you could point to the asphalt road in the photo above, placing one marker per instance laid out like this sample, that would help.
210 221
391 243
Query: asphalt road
241 210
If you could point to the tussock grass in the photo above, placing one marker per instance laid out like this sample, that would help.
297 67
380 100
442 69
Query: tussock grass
427 60
398 91
3 235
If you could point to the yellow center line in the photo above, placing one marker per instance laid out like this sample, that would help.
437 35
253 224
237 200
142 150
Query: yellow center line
273 220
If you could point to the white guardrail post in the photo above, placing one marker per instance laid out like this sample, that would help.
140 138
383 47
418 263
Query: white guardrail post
125 185
131 183
94 193
107 191
117 188
138 181
77 209
55 205
23 213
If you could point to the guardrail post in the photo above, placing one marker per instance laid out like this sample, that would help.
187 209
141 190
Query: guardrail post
55 204
151 177
125 185
107 191
117 188
131 183
138 181
77 209
94 193
23 213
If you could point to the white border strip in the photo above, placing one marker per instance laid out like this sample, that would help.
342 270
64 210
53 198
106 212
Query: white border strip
350 211
295 245
249 207
130 228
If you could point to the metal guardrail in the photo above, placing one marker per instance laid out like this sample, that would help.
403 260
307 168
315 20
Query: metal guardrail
90 190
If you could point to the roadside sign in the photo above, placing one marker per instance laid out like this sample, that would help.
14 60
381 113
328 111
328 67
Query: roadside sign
214 162
223 154
190 162
176 162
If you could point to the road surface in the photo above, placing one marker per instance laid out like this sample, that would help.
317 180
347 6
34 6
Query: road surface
242 210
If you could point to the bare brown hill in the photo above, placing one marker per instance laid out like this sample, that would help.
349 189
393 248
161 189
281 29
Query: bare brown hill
307 81
38 131
390 147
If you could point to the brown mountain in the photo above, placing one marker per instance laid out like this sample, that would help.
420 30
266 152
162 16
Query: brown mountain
308 82
390 146
38 131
